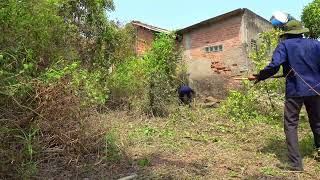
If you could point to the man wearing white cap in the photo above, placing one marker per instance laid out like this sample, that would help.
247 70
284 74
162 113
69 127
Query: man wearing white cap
279 19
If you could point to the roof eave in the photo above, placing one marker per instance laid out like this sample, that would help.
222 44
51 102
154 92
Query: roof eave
149 27
212 20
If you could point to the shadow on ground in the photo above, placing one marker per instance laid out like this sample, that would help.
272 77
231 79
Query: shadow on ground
265 177
153 166
278 147
166 168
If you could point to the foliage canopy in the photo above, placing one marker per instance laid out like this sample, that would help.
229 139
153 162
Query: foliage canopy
311 18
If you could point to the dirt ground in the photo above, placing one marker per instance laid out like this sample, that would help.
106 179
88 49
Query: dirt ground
198 144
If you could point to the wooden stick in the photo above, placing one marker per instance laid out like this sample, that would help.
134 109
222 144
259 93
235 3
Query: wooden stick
246 78
133 176
241 78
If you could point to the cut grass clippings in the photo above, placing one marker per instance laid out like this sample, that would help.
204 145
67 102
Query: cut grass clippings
198 144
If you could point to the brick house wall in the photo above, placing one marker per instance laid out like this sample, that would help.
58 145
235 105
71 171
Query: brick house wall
144 39
226 33
216 50
252 25
211 73
145 34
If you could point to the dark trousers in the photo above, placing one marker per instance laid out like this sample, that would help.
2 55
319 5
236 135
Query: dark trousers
293 106
185 98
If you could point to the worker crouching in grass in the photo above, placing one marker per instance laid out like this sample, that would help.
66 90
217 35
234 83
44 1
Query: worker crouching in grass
300 59
186 94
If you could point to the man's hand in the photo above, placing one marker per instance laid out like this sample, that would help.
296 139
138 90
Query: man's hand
254 77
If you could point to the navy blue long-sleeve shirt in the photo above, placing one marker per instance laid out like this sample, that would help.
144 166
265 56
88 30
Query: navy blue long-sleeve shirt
303 56
185 90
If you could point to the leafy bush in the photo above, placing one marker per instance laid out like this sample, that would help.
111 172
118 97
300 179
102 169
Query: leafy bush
128 82
149 83
54 61
311 18
263 101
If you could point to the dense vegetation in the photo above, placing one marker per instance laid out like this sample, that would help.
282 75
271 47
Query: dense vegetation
269 94
311 18
55 62
64 64
262 101
149 83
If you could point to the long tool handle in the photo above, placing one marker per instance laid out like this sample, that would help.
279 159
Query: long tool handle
246 78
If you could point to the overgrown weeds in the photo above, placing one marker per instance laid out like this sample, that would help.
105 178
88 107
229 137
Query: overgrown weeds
56 59
262 102
54 62
209 147
148 84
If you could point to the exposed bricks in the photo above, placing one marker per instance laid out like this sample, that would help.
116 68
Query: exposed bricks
232 33
225 63
144 39
219 68
227 34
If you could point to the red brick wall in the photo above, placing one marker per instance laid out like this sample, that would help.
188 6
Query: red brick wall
226 33
144 39
225 64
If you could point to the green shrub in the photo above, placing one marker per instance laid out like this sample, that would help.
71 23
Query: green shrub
149 83
311 18
112 151
263 101
53 71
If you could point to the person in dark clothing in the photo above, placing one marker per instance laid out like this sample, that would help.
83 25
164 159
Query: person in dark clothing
300 59
185 94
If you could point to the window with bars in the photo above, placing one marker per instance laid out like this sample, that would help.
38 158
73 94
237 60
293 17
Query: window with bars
253 45
217 48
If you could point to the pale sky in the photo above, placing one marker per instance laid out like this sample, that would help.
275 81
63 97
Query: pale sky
176 14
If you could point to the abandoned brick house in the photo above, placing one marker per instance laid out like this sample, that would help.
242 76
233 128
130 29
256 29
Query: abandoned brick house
145 34
216 50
